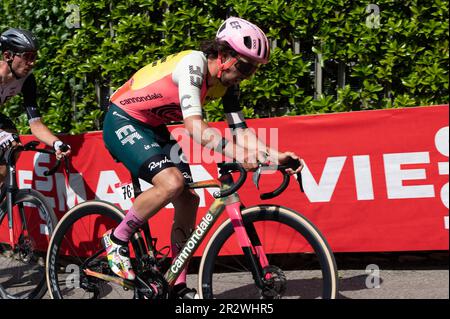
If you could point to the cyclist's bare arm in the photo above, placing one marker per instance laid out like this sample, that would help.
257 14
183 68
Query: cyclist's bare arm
246 138
42 133
208 137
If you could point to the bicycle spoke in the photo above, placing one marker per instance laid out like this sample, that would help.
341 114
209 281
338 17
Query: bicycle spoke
80 241
22 266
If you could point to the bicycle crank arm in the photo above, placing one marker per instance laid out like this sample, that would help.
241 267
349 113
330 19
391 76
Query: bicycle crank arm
119 281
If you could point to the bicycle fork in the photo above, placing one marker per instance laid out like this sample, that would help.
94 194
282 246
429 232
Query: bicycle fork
10 216
249 241
9 213
10 189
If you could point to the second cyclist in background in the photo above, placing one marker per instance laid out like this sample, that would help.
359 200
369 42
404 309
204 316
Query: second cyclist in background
18 58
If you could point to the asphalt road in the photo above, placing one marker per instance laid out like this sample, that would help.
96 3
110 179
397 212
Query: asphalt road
420 275
394 276
415 275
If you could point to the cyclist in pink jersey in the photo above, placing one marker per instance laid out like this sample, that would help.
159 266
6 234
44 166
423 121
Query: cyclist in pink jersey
174 89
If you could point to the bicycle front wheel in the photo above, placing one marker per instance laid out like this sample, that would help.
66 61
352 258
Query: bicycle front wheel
22 273
77 239
300 263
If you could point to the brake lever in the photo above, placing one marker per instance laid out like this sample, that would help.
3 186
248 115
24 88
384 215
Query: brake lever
294 164
300 182
291 163
53 170
66 165
257 176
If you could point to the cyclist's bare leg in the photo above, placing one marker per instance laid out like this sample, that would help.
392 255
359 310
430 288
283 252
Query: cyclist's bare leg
168 184
186 206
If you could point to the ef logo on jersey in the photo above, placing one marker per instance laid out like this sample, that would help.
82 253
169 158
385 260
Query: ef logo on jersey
128 134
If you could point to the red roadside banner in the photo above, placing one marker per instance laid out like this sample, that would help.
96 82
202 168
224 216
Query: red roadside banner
374 180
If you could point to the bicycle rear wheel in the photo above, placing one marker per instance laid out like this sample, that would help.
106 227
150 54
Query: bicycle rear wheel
22 264
77 237
300 262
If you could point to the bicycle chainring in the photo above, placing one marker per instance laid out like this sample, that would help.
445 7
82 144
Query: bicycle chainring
151 284
90 285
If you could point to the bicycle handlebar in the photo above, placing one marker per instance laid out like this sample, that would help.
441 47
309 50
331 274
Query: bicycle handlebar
32 146
231 167
284 184
237 167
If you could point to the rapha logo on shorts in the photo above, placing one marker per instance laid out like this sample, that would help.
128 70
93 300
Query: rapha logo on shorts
158 165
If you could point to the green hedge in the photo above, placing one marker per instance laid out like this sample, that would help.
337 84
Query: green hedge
396 58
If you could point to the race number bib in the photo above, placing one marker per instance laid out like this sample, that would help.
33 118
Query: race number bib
124 190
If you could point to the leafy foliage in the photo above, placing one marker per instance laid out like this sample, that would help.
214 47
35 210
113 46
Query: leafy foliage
396 58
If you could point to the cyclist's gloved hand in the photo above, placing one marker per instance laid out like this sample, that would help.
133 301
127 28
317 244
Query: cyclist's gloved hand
6 140
291 160
61 149
295 165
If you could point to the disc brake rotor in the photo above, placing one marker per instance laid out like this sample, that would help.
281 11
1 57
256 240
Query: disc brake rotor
274 281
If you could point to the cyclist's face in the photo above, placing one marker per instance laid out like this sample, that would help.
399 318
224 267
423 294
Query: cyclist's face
241 70
23 63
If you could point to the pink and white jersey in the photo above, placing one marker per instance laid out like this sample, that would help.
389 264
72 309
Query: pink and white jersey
174 88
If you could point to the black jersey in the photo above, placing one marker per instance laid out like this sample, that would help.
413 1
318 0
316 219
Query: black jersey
27 86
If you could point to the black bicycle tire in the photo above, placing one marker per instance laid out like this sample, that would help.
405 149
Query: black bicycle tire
33 196
74 214
273 213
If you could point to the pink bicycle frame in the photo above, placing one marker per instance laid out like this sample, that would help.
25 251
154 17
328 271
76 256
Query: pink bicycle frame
234 213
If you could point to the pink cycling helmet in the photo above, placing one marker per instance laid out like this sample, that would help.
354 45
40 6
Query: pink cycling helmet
245 38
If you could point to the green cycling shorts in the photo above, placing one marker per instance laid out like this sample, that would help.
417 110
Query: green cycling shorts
144 150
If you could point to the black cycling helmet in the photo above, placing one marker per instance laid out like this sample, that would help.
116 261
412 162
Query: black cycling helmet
18 40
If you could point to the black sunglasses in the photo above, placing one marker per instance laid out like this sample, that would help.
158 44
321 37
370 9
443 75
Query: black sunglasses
29 56
245 68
